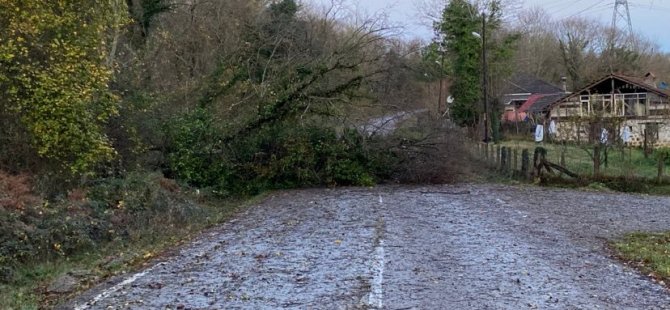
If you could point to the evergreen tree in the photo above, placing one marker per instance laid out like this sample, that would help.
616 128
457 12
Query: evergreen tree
459 21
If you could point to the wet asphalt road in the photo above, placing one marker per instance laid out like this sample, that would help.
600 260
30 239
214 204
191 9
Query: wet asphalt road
439 247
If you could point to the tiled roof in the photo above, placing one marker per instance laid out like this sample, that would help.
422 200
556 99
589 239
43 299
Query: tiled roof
639 82
522 83
642 83
546 101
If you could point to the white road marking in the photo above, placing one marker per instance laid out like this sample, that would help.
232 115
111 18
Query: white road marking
377 293
106 293
376 298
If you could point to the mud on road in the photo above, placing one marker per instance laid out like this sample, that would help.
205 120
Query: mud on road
435 247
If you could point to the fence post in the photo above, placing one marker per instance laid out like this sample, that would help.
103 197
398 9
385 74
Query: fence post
563 158
525 164
498 157
503 159
492 152
515 166
508 168
539 156
486 151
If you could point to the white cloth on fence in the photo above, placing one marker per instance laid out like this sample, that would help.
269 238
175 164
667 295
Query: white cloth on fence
626 134
539 133
553 130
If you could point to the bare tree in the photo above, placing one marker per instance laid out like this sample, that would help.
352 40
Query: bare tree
579 46
539 50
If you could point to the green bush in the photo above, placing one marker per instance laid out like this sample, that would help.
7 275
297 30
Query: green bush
194 153
274 157
281 157
663 153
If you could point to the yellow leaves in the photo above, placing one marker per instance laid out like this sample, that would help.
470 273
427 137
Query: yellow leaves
7 56
55 77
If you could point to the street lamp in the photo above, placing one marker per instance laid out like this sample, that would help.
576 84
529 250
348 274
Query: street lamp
485 78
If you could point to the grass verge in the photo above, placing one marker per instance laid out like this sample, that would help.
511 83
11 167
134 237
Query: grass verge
119 227
648 252
630 162
628 171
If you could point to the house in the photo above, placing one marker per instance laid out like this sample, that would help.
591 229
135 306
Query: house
638 106
523 93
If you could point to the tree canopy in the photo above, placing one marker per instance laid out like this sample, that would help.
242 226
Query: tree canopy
54 77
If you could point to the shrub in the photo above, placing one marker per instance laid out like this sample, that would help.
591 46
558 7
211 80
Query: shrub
280 156
663 153
15 191
194 153
293 156
111 210
429 152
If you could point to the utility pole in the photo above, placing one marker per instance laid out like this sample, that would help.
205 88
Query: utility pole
439 98
485 81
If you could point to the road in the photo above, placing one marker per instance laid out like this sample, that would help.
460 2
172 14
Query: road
386 125
434 247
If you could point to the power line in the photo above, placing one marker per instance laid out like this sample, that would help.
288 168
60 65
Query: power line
653 7
599 4
569 6
561 6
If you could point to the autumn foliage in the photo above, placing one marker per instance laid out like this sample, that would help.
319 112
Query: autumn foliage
15 191
54 78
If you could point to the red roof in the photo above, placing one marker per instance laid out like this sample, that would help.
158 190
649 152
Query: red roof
530 102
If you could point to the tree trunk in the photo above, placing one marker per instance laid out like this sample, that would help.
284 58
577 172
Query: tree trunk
562 161
646 144
596 160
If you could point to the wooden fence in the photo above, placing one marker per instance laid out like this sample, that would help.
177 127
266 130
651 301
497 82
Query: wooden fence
508 161
524 163
521 164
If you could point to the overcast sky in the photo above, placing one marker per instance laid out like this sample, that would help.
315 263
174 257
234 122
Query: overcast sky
650 17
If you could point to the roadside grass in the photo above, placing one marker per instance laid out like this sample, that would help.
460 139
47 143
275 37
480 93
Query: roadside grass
168 219
648 252
627 171
29 289
629 162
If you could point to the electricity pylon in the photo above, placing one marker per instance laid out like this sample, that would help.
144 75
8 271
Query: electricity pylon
621 14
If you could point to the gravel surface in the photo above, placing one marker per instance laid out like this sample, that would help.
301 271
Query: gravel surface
435 247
